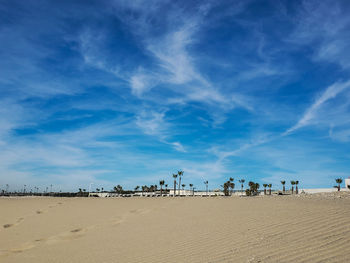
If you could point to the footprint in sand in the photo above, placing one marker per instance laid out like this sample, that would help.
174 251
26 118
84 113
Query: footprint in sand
76 230
67 236
22 248
117 221
39 212
19 220
139 211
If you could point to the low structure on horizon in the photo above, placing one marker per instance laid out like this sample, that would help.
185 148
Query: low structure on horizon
217 192
347 183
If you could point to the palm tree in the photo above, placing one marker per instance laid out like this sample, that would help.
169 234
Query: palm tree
264 185
284 187
292 183
253 189
206 185
242 184
183 188
174 176
191 185
136 188
338 181
180 174
143 188
257 186
270 185
232 185
226 187
118 189
166 188
296 187
161 183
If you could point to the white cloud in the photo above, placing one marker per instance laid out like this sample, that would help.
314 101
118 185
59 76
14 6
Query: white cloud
178 146
325 26
152 123
142 82
257 141
342 134
171 52
311 113
167 36
91 48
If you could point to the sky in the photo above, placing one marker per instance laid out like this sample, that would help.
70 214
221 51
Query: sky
129 92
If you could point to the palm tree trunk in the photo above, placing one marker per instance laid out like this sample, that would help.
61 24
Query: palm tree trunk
161 190
292 189
179 185
174 187
284 188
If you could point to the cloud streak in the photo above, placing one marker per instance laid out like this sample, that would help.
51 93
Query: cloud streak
311 113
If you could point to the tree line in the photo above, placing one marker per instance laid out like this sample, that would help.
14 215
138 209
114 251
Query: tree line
178 186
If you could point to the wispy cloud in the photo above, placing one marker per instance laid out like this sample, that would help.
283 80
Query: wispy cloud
154 124
172 54
255 142
142 81
342 134
310 116
311 113
325 25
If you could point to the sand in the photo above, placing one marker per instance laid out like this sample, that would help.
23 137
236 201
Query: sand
237 229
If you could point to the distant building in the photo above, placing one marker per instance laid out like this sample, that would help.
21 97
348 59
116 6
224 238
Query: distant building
347 183
196 193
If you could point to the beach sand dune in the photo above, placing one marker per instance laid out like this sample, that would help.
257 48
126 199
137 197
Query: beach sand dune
259 229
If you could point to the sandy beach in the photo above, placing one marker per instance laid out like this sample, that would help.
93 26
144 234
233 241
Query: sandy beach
260 229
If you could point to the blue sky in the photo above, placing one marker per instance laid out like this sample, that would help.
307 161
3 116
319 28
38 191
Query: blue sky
128 92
